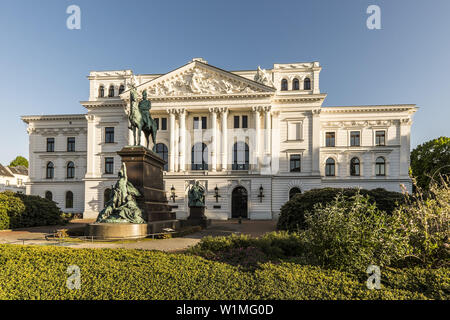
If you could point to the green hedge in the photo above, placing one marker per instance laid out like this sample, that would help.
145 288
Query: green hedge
28 211
292 213
4 219
30 272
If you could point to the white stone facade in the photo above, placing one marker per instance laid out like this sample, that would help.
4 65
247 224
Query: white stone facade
256 127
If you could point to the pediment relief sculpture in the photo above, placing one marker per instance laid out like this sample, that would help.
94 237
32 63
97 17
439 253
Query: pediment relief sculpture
199 82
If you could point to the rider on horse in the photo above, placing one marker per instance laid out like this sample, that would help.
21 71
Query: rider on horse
144 107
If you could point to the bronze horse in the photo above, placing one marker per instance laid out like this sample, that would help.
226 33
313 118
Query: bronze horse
137 122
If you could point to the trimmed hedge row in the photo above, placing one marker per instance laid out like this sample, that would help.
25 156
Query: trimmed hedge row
24 211
31 272
292 213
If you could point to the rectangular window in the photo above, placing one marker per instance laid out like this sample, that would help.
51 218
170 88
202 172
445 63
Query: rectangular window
330 140
236 122
109 165
109 135
295 163
163 123
71 144
244 122
196 123
157 123
354 138
380 138
204 123
50 144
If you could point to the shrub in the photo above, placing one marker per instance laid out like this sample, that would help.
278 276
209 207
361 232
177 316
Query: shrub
426 218
31 272
29 211
4 219
350 234
292 214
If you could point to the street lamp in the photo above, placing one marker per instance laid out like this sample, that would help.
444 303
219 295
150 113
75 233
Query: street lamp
172 193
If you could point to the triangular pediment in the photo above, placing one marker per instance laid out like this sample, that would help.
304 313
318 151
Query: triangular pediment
200 79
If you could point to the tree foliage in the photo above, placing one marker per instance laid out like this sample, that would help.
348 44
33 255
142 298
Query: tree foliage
430 158
19 161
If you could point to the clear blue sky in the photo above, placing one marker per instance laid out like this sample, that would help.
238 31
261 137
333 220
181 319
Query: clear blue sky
44 65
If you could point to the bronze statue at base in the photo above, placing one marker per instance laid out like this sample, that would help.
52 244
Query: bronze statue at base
122 208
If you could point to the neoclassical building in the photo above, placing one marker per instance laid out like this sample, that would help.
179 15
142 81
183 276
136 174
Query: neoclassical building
252 138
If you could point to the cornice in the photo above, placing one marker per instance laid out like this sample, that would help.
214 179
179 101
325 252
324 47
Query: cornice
28 119
411 108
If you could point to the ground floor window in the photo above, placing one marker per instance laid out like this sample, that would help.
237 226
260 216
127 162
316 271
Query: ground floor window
49 196
69 199
293 192
330 167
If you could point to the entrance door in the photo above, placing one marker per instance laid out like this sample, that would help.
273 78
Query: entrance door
239 203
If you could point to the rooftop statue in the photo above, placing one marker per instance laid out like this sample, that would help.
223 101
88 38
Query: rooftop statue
196 195
122 207
140 118
263 77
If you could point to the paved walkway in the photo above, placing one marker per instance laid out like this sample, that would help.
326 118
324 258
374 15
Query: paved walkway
36 236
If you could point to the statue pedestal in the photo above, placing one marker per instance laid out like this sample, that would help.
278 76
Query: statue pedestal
111 231
197 217
145 172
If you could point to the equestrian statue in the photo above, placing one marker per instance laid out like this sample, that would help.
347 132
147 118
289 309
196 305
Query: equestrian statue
140 118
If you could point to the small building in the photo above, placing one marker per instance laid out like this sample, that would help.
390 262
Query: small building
13 178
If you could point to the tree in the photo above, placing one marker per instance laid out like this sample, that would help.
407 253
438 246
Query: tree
430 158
19 161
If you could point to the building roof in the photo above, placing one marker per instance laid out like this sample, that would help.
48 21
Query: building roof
5 172
22 170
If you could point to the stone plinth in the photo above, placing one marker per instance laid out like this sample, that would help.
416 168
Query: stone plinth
105 231
197 217
145 172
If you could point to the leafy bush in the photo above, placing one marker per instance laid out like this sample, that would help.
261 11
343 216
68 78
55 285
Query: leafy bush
292 215
426 219
350 234
29 211
4 219
31 272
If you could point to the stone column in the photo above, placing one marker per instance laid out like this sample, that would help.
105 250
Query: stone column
275 134
177 139
315 142
257 111
213 112
172 140
224 138
91 146
182 148
405 145
267 132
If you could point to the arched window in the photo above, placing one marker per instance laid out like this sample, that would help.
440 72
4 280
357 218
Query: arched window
50 170
121 89
70 170
307 84
101 91
240 156
111 91
284 85
330 167
162 151
295 84
380 166
199 159
293 192
48 195
354 167
69 199
106 196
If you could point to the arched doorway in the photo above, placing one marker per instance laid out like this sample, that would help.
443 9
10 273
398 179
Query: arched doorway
239 199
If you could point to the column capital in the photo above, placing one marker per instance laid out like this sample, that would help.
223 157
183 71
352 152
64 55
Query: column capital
214 109
223 109
267 108
257 108
172 110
